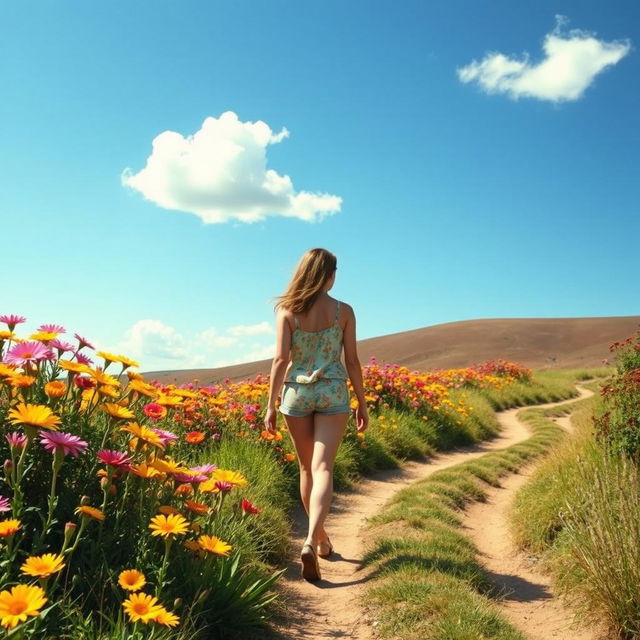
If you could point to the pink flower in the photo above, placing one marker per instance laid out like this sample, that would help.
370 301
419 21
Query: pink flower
188 477
83 342
84 382
205 468
28 353
56 440
82 359
114 458
223 487
61 346
5 505
154 411
52 328
12 321
167 437
15 439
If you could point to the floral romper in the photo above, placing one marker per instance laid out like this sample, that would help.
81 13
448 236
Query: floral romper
316 380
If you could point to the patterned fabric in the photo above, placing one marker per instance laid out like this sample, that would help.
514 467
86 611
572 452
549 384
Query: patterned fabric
323 396
316 354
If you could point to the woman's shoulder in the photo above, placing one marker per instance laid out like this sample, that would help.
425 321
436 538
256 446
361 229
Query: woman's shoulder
285 315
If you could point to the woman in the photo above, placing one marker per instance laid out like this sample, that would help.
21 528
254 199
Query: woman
312 329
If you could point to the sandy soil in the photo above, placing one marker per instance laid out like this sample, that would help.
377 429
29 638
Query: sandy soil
331 608
529 603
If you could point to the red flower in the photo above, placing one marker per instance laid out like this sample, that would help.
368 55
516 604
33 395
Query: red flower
247 507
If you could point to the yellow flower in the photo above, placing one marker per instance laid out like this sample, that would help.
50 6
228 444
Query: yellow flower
169 465
36 415
6 335
43 566
75 367
132 580
108 390
214 545
21 601
133 375
90 512
145 471
143 387
167 618
141 607
9 527
168 401
171 525
20 381
112 357
43 336
55 388
233 477
144 433
118 412
104 378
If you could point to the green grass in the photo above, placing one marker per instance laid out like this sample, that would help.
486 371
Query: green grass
427 581
581 513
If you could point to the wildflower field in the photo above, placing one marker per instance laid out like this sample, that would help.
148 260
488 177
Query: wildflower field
132 509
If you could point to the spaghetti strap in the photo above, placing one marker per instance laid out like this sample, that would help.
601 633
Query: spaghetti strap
337 312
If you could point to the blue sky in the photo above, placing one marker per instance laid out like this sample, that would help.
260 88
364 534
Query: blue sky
457 167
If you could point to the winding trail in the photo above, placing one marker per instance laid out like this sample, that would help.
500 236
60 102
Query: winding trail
331 607
528 601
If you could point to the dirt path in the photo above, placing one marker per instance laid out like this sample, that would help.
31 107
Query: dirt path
528 603
331 608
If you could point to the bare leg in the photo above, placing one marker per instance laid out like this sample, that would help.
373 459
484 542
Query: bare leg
328 432
301 431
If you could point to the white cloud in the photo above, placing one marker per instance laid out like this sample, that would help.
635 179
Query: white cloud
220 174
211 338
158 346
570 65
153 339
261 329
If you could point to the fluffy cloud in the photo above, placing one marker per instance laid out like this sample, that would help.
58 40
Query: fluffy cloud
261 329
153 339
570 64
220 174
159 346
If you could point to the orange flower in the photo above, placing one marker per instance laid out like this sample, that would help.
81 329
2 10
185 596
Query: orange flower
9 527
55 388
194 437
196 507
90 512
132 580
289 457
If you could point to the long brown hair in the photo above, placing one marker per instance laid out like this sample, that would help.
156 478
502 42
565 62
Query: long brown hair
312 273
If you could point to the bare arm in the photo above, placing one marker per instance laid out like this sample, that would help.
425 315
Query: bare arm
354 369
278 367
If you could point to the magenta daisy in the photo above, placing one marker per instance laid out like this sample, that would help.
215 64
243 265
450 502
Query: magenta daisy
15 439
82 359
70 444
28 353
61 346
190 477
5 505
114 458
52 328
12 320
205 468
223 487
83 342
167 437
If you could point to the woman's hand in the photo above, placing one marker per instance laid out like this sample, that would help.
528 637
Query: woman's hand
362 418
270 419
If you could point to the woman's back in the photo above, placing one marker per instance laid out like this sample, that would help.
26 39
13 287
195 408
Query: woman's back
315 353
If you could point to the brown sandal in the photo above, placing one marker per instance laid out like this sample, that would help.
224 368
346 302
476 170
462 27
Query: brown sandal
310 567
325 555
